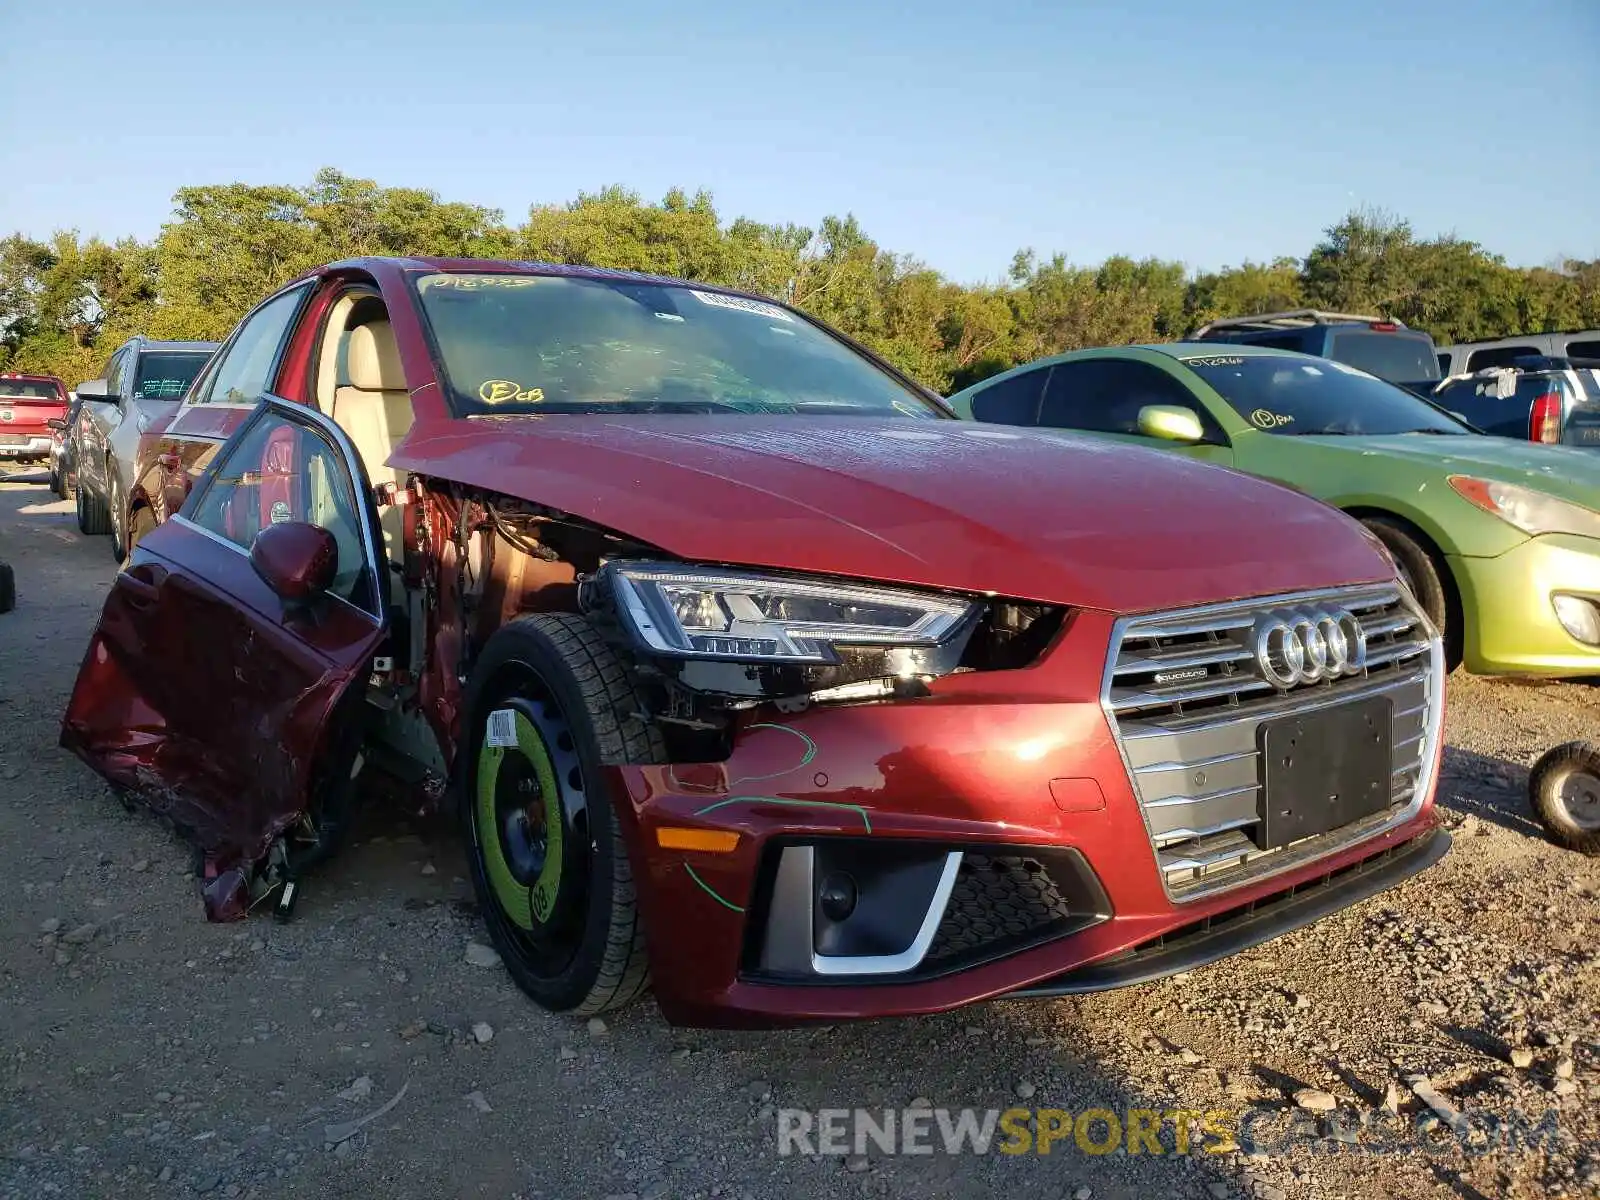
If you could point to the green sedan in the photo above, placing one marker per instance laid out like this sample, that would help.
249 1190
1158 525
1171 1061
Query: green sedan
1498 539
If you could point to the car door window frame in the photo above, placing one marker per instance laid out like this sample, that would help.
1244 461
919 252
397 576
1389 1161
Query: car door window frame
1040 376
115 370
1182 397
199 395
374 561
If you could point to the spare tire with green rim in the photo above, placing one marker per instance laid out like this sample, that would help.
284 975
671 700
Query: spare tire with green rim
549 702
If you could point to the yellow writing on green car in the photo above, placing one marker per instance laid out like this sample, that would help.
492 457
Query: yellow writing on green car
1264 419
501 391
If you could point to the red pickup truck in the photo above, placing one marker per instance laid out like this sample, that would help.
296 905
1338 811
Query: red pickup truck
27 402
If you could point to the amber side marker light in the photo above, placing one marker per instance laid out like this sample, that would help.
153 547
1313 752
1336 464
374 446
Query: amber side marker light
716 841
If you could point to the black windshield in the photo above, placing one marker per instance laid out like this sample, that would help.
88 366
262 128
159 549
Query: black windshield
562 344
1304 395
167 374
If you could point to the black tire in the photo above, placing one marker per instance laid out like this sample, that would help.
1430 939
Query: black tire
93 517
56 484
1565 790
572 701
8 588
1422 573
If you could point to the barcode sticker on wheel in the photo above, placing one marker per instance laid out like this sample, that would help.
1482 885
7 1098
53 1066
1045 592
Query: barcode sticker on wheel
502 728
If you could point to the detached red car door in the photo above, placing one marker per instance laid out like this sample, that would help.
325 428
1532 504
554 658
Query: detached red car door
201 689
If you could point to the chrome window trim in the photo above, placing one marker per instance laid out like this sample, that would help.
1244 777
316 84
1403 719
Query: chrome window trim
1298 854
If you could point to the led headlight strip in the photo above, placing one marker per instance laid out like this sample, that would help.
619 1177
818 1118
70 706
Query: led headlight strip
695 612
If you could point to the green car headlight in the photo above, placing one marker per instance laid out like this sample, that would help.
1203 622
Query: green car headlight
1530 511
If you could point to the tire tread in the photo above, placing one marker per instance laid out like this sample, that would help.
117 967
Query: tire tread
1545 807
610 702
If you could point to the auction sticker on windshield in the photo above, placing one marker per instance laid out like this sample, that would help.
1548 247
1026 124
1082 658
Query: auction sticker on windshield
1213 361
740 304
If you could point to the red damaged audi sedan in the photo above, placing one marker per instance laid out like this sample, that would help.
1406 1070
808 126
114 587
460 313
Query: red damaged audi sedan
753 673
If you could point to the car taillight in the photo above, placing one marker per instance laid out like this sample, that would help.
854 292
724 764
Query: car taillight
1384 326
1544 424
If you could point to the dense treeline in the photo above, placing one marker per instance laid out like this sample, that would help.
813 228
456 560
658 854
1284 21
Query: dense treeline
66 301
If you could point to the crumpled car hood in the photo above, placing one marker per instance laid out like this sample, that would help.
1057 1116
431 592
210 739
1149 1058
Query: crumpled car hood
947 504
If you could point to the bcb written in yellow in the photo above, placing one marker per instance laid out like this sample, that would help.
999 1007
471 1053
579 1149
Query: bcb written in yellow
1102 1131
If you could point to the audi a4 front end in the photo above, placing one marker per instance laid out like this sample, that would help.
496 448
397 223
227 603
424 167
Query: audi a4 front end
752 672
949 712
1150 793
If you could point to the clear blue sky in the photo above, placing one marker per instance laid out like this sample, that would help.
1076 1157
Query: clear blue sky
1205 131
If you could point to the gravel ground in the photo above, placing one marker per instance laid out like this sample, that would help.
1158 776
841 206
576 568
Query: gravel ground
145 1052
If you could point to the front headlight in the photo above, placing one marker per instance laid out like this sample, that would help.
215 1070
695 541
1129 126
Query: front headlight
1530 511
694 612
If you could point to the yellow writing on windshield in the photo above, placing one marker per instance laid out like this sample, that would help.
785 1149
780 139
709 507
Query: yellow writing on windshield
503 391
473 283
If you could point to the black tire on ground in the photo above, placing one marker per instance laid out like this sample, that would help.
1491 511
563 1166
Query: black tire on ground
93 517
56 484
1422 573
559 901
1565 790
8 588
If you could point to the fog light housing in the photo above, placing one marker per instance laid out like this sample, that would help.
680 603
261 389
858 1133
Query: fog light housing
1579 617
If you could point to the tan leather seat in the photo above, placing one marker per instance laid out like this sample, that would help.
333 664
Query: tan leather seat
374 409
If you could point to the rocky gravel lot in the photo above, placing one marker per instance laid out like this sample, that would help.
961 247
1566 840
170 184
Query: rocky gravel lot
372 1048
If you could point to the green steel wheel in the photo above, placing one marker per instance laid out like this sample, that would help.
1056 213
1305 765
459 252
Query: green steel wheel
548 859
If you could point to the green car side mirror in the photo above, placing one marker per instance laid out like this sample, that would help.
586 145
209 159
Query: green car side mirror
1172 422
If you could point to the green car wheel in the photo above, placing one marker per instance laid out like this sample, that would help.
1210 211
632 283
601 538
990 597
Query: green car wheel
1425 577
548 859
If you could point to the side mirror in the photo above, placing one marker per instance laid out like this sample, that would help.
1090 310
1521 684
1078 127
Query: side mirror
59 424
1172 422
95 390
297 559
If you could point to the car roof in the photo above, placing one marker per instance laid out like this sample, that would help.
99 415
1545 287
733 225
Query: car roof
1183 350
33 375
1175 350
381 265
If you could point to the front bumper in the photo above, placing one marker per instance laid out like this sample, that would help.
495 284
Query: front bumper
1003 766
25 447
1511 626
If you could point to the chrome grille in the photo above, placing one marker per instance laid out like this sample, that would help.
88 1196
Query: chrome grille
1186 699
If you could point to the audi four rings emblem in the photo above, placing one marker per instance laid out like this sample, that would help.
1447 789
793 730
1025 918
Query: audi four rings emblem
1304 646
